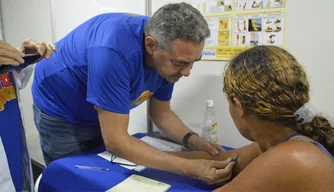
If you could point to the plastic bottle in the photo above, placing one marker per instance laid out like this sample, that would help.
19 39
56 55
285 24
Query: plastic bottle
209 123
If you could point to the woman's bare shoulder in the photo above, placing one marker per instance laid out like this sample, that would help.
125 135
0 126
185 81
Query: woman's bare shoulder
290 166
305 153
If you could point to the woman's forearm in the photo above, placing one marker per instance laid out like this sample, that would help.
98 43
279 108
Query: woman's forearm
246 155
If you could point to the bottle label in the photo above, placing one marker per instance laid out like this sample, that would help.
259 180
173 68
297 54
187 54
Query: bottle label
214 132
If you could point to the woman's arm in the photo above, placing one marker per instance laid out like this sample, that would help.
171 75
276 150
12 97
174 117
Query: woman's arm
246 155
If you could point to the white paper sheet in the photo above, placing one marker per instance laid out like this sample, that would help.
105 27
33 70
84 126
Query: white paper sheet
157 143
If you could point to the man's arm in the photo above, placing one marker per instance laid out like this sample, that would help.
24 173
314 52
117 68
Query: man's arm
166 120
120 143
162 115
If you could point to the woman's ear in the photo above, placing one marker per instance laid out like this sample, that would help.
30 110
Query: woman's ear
240 109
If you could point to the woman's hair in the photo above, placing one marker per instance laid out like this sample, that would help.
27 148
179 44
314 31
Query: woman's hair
272 85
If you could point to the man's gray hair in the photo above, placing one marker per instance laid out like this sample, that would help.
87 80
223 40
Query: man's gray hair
177 21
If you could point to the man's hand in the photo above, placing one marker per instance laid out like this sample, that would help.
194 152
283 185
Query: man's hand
199 144
30 46
211 172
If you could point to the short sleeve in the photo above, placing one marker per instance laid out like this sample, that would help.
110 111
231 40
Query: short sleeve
164 93
108 85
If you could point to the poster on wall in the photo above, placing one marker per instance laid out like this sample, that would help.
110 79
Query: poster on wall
259 30
237 25
220 28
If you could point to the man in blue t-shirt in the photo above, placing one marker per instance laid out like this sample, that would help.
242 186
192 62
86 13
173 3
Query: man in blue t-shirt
15 165
109 65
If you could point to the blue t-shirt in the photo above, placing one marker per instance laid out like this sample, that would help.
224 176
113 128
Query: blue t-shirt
10 131
101 63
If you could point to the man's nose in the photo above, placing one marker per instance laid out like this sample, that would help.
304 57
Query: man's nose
185 71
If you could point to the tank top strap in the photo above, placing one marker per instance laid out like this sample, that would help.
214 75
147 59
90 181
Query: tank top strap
290 136
319 145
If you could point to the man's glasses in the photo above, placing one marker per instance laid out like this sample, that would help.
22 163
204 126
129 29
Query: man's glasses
112 161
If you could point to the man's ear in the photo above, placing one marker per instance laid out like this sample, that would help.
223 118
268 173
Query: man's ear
240 109
150 44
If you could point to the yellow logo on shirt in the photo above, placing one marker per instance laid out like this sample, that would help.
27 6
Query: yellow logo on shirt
143 97
7 90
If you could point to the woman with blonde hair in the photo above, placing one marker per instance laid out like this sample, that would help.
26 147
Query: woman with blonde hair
268 95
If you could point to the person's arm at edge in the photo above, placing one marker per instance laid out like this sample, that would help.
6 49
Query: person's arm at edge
30 46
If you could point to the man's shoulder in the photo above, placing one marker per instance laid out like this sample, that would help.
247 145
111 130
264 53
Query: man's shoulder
121 23
121 32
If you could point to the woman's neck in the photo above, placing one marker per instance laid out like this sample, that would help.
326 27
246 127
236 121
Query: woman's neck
268 134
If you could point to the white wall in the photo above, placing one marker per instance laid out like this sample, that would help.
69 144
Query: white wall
73 14
308 36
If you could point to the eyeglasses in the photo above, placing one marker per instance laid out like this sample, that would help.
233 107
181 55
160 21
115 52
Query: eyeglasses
112 161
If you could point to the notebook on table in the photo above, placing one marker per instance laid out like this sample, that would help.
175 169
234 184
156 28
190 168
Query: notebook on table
140 184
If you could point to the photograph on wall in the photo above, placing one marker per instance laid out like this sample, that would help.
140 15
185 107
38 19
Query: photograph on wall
212 6
224 32
244 5
255 38
220 31
259 30
255 4
241 5
273 30
224 38
241 39
240 24
273 4
213 24
226 5
255 24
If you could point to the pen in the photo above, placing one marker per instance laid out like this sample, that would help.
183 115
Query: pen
235 158
91 168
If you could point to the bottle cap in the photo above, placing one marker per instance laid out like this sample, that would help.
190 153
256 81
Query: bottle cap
209 103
